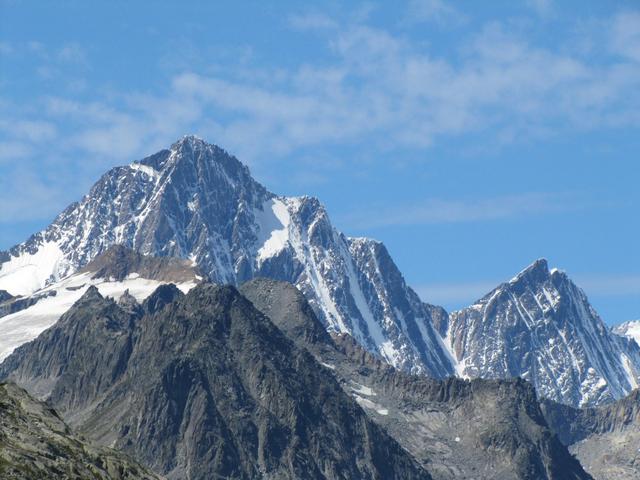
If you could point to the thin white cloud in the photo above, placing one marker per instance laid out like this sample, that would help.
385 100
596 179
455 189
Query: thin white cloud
443 211
607 285
541 7
381 86
462 294
625 37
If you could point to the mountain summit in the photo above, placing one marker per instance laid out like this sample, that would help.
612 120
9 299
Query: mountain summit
541 327
195 201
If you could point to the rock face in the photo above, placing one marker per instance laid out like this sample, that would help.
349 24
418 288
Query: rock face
605 439
118 263
540 326
457 429
203 386
36 444
194 201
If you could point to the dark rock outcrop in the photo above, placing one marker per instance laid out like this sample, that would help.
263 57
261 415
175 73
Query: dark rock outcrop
118 262
203 385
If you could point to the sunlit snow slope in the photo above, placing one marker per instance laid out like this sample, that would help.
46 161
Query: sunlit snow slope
115 272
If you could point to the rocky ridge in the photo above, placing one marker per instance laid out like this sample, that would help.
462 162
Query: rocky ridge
456 429
36 444
203 385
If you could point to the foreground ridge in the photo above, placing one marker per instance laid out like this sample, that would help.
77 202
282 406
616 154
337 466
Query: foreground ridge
36 443
200 386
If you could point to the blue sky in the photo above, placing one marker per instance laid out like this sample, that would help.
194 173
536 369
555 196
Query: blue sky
471 137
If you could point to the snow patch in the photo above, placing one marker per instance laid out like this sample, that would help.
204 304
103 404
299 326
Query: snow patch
25 325
145 169
363 390
273 223
366 403
626 363
630 330
26 273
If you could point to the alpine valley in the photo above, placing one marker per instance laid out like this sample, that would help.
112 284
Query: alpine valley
208 328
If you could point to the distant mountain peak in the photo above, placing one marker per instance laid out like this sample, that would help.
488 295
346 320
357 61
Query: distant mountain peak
541 327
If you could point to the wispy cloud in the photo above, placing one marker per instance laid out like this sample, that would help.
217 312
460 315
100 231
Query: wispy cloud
383 86
375 89
608 285
625 35
460 294
541 7
442 211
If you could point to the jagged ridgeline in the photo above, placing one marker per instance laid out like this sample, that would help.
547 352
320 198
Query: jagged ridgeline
206 384
203 386
456 429
196 202
333 368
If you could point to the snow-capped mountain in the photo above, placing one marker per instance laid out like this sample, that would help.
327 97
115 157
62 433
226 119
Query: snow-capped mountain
194 201
541 327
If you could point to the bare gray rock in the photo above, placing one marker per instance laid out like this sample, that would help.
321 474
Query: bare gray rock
606 439
457 429
36 444
202 386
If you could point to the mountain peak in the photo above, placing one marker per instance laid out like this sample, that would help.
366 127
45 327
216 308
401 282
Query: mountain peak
189 147
523 322
196 202
192 142
537 272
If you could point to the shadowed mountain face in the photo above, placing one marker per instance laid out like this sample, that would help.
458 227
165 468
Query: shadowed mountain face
196 202
605 439
203 386
36 444
540 326
480 429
